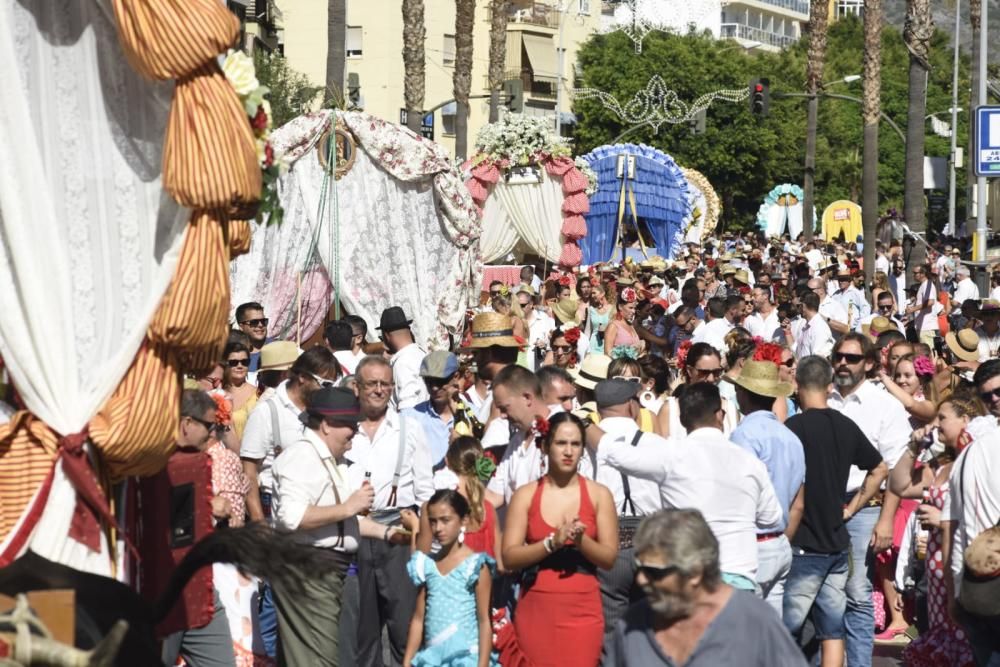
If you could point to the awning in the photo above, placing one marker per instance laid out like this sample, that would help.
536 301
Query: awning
541 55
450 109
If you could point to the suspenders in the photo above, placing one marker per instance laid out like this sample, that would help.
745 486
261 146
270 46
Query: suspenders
627 503
399 461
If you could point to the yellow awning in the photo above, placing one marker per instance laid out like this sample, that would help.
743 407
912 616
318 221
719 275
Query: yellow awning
541 55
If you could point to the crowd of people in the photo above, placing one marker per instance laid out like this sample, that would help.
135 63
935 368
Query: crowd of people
749 455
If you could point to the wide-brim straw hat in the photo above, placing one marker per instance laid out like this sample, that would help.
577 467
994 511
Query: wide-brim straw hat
761 377
879 325
593 370
565 311
742 276
964 344
489 329
278 356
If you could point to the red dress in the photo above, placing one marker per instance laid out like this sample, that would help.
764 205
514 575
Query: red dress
558 620
484 540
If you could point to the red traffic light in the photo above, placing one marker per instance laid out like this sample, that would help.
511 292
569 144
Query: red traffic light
758 88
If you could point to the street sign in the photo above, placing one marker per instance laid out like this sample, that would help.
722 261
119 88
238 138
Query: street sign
426 126
987 156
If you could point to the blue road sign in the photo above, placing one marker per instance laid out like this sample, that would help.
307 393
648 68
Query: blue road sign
987 157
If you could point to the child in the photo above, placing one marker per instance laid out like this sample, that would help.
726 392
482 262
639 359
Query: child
452 620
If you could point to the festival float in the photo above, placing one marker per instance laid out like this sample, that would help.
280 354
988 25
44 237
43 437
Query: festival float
532 193
781 212
360 195
642 206
842 220
706 208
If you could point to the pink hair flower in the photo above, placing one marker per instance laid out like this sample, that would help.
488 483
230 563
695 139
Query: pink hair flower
922 365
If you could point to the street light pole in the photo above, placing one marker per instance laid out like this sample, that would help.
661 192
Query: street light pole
954 126
980 247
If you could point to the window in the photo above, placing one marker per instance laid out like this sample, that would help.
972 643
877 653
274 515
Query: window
449 51
353 41
585 7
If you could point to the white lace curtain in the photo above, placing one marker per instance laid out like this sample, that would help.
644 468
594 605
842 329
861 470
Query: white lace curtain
532 212
88 240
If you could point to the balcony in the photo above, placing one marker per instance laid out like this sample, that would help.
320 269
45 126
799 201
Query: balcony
528 12
797 6
749 33
537 88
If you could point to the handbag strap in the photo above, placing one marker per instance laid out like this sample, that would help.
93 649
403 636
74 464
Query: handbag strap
627 503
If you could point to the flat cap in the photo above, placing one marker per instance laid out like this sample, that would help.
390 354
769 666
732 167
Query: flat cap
610 393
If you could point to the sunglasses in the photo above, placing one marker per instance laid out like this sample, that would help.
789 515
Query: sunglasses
788 362
653 572
849 358
885 306
256 324
322 382
233 363
627 378
210 426
714 372
561 348
494 292
990 396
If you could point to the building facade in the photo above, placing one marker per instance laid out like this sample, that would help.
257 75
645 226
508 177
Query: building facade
374 45
769 25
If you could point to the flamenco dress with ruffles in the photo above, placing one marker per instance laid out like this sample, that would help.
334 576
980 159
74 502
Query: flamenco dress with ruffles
558 620
451 627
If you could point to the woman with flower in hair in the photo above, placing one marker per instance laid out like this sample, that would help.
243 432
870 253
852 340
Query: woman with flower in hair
912 384
563 344
620 338
599 314
698 362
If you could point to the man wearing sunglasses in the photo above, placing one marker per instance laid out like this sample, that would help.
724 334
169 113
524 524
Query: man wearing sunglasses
885 421
689 616
251 321
885 306
987 379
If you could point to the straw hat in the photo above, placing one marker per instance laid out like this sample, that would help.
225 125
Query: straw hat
728 269
964 344
565 311
989 307
593 369
489 329
761 377
742 276
878 326
278 356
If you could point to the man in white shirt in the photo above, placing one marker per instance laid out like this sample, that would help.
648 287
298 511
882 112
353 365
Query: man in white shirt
923 308
831 311
881 261
882 418
814 257
345 343
707 472
528 277
815 336
618 405
726 313
764 321
965 288
540 326
314 497
989 330
391 453
885 307
406 357
851 299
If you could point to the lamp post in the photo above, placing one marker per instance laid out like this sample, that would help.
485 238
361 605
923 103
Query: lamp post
954 125
980 245
559 74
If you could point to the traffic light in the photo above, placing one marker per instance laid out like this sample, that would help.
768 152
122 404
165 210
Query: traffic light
513 92
760 97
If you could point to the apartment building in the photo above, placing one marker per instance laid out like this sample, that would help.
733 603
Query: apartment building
769 25
374 45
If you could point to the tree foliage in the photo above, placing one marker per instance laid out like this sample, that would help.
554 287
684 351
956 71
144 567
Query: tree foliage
744 157
290 95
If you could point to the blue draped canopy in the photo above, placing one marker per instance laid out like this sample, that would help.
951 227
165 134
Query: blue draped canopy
661 198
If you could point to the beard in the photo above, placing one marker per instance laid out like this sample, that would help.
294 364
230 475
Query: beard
848 379
668 607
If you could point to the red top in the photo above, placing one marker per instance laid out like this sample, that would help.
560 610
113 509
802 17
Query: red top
484 540
553 579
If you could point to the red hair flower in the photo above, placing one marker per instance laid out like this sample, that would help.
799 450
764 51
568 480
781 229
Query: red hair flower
540 427
768 352
682 354
572 335
629 295
565 280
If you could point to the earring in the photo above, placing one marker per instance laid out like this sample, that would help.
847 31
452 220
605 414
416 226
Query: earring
461 535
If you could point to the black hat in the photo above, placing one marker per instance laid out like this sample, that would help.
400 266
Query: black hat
609 393
393 318
337 404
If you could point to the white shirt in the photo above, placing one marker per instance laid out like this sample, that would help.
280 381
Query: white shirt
379 455
259 440
831 309
881 417
706 471
815 259
765 327
304 475
410 388
989 346
349 360
973 501
964 290
713 333
926 319
900 292
995 293
644 494
539 328
882 263
815 338
481 406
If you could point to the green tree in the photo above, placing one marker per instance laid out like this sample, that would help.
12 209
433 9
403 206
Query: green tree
291 95
743 157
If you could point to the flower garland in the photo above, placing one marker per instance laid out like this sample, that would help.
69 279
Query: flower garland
239 70
523 141
591 175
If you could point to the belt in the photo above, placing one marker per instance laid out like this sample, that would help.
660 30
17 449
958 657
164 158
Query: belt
769 536
874 501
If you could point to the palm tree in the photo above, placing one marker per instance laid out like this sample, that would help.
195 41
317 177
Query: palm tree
871 91
465 16
413 62
818 19
917 33
498 54
336 34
